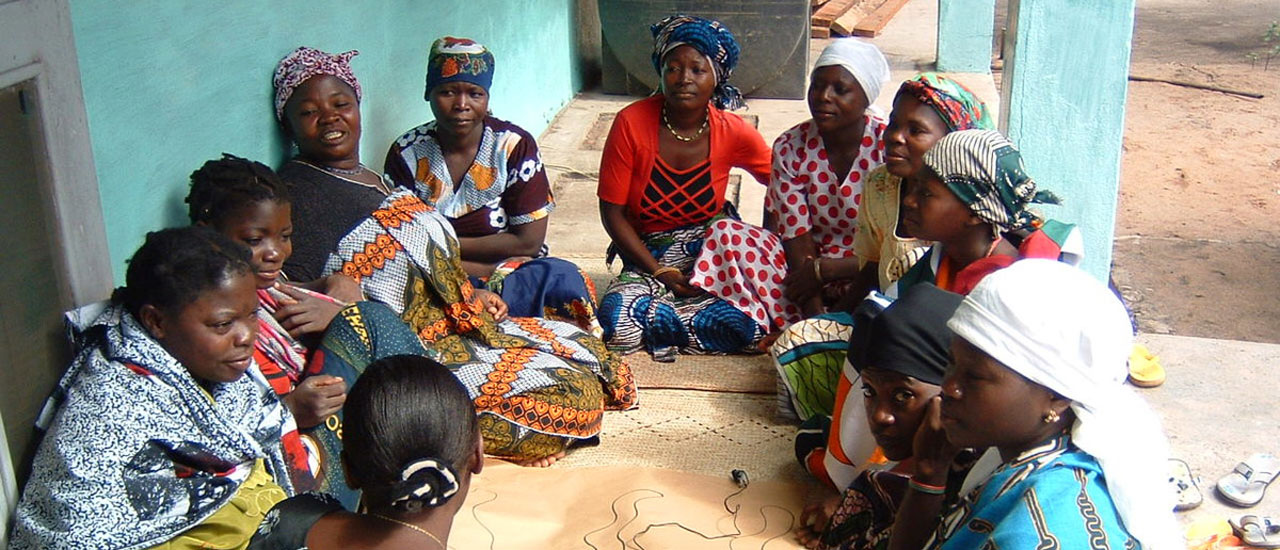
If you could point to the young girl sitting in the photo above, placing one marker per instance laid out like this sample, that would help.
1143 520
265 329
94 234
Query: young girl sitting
161 434
412 444
972 200
246 201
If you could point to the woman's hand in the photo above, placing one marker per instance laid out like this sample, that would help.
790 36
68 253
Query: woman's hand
814 520
679 284
315 398
492 303
932 452
343 288
302 313
802 287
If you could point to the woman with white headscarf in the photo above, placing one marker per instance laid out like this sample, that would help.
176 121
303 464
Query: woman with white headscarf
807 264
1038 366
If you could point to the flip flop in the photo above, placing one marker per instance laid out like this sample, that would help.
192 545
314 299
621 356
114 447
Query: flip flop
1186 487
1246 485
1144 368
1255 531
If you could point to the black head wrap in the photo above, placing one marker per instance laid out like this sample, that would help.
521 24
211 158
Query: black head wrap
909 337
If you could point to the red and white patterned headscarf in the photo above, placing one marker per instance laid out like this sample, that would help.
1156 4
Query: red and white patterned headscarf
305 63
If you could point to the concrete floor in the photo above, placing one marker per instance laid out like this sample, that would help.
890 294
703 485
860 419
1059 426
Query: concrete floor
1216 404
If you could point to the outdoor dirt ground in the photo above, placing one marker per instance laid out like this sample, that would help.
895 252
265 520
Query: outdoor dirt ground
1197 250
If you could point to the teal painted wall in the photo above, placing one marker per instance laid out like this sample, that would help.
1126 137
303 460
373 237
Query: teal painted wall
965 31
170 84
1065 86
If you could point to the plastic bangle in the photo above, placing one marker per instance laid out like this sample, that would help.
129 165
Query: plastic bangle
926 488
817 269
664 269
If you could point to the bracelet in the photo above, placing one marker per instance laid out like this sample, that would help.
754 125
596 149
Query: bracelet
817 269
665 269
926 488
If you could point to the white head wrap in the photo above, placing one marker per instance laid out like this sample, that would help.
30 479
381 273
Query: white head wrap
1062 329
862 59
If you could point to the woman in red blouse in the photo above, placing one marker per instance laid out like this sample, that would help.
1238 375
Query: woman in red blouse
662 183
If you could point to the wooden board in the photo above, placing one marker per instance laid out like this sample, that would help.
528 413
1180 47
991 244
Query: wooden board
819 32
815 4
830 11
843 25
874 22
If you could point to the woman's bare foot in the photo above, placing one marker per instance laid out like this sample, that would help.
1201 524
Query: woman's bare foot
540 462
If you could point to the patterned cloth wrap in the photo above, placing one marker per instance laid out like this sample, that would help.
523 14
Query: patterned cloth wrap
136 450
712 39
304 63
358 335
458 60
1052 496
538 385
958 107
639 312
985 170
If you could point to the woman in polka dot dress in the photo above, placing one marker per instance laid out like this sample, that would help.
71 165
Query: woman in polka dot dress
815 191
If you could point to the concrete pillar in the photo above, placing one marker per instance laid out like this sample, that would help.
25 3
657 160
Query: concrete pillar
965 34
1063 95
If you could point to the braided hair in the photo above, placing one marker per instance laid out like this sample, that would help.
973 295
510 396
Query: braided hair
409 429
175 265
224 186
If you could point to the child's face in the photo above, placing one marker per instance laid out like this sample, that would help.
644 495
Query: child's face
265 228
932 212
895 406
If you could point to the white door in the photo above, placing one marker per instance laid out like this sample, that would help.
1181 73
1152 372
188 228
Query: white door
53 252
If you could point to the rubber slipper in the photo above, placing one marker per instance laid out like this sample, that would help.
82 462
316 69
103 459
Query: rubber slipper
1246 485
1144 368
1186 487
1256 531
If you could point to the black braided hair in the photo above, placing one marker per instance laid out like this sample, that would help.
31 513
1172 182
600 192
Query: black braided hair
405 410
175 265
223 186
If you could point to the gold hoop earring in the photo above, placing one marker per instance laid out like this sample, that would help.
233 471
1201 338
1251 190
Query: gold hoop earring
1051 417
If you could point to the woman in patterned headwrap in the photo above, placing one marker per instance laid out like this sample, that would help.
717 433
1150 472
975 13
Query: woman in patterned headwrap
538 385
486 176
663 176
810 354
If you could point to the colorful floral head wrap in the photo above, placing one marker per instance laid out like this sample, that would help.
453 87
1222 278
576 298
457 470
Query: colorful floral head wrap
956 104
985 170
710 38
862 59
305 63
459 60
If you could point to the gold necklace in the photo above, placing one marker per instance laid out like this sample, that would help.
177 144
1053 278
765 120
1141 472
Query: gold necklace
411 526
680 137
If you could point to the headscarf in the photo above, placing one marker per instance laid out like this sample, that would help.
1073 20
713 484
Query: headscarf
985 170
305 63
713 40
958 107
909 337
459 60
1063 330
862 59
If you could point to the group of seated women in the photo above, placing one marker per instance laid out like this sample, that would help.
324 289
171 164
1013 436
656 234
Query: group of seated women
324 357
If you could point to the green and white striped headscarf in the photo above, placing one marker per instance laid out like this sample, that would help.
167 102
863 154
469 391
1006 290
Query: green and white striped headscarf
985 170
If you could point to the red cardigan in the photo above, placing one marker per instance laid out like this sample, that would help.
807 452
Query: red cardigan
632 149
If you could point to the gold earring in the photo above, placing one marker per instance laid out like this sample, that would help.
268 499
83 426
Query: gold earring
1051 417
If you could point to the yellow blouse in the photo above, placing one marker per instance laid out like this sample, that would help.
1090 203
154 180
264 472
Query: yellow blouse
233 525
877 239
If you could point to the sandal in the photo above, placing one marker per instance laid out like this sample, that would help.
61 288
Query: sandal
1246 485
1144 368
1185 486
1255 531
